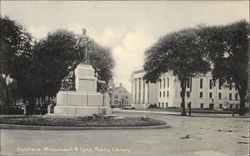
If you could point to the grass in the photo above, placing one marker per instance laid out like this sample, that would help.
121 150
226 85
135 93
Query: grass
83 121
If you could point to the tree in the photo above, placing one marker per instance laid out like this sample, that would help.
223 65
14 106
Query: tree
103 62
52 56
15 50
55 53
179 53
227 47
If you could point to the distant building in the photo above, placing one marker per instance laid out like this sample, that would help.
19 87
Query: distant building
120 97
144 94
202 92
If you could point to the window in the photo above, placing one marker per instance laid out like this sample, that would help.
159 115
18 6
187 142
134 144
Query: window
236 96
164 83
188 94
116 101
163 93
230 87
210 95
220 85
237 106
219 95
231 106
210 84
168 82
202 105
230 96
160 83
188 83
126 97
160 94
211 106
201 83
201 94
220 106
116 96
167 93
166 105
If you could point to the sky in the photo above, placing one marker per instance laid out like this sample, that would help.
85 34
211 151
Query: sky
127 27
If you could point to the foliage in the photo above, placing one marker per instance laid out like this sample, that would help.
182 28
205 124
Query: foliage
227 47
38 68
15 54
102 61
15 44
53 55
179 53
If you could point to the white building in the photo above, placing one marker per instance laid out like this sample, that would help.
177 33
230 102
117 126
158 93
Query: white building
143 94
202 92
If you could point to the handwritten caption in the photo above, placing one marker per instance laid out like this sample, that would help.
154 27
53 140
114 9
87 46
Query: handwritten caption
73 149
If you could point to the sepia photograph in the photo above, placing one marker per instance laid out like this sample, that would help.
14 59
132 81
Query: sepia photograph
125 78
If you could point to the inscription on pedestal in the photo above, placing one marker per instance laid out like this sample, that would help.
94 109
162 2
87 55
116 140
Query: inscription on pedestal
86 85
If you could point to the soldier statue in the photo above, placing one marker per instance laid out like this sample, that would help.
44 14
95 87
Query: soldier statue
82 43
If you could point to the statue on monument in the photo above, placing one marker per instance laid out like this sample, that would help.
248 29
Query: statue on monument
102 84
82 43
68 81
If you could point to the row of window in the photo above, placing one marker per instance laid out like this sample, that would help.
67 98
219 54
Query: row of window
122 91
163 105
122 96
212 84
189 84
164 83
164 95
211 106
211 95
220 95
121 102
202 106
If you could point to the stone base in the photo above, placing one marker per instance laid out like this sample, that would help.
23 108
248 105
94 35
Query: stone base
85 100
74 103
81 111
74 98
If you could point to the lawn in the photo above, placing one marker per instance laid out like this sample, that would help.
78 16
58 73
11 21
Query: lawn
88 121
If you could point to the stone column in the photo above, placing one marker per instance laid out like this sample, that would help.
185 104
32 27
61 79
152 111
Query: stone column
146 93
132 88
142 90
137 90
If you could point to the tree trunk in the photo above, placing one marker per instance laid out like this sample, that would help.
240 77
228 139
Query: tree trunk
183 90
242 94
31 104
7 95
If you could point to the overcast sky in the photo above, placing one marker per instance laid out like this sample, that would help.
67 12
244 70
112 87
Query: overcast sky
128 28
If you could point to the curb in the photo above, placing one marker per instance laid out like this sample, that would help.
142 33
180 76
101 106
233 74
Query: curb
32 127
212 115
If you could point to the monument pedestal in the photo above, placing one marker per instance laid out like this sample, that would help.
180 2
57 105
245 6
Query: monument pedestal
85 100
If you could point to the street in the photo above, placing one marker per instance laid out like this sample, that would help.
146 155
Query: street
190 136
